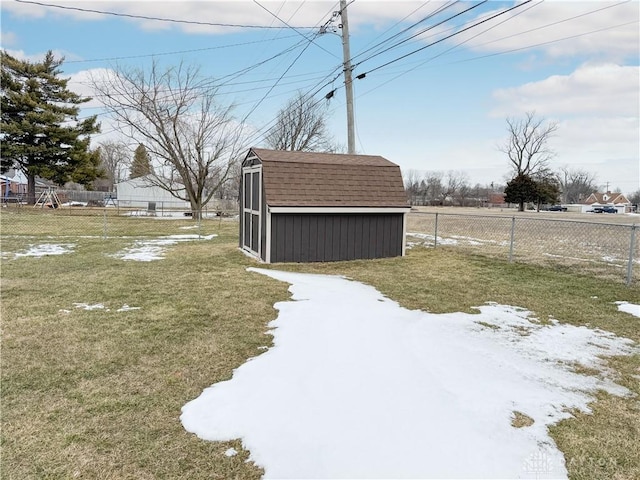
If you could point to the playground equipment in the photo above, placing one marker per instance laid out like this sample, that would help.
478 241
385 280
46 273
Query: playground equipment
48 198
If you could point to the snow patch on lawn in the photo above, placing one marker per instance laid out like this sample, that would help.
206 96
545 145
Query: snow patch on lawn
44 249
87 306
154 249
629 308
127 308
99 306
427 240
356 386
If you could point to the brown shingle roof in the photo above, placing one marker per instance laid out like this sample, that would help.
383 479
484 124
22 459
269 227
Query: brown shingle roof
607 198
310 179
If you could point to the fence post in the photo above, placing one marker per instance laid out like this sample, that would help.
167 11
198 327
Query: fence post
513 232
632 244
435 237
104 224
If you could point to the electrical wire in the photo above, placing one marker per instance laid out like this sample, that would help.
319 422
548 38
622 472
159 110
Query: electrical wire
316 88
177 52
548 42
311 39
441 9
519 5
447 51
554 23
146 17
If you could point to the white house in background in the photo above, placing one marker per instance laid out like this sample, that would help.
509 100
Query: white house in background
141 193
608 199
13 183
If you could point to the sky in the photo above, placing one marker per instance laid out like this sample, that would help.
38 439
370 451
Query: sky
356 386
435 97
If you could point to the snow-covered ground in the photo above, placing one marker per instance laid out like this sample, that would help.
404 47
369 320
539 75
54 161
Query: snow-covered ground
45 249
356 386
98 306
145 250
629 308
148 250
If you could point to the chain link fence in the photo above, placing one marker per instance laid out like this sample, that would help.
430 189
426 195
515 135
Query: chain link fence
604 249
113 220
597 248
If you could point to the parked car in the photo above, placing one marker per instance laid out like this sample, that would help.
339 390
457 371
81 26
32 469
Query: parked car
557 208
603 210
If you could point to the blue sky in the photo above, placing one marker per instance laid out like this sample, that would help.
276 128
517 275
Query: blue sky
441 108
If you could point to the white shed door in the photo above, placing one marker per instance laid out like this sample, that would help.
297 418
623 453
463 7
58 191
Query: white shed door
251 208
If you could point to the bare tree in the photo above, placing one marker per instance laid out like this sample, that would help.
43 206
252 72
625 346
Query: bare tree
576 184
301 126
527 145
464 193
173 112
453 181
114 159
432 187
634 198
412 185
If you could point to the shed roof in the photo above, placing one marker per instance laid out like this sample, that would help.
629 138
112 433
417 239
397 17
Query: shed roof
311 179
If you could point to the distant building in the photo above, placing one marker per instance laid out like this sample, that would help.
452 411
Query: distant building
496 199
608 199
140 192
14 183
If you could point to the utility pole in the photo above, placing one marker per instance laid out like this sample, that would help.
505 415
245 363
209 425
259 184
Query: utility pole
348 84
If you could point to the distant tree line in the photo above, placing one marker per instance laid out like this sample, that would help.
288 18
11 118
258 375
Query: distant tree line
450 188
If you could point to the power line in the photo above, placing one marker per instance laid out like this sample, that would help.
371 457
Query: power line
505 52
391 28
549 42
554 23
177 52
311 39
449 36
146 17
277 81
445 52
426 29
427 17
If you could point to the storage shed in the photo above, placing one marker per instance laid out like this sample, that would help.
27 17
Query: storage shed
321 207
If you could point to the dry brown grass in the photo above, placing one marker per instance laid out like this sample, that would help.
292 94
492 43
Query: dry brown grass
97 394
521 420
589 243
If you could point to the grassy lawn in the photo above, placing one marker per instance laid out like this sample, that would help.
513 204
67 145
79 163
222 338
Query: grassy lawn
98 393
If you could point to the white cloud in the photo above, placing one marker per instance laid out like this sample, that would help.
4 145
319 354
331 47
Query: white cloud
609 33
38 57
8 38
603 90
584 33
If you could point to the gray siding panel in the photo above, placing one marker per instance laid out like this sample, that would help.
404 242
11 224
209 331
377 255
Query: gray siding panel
333 237
263 226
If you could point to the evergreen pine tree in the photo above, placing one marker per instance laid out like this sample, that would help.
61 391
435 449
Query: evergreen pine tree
141 164
41 132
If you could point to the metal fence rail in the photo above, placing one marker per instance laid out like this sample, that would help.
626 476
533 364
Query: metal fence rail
104 222
596 248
